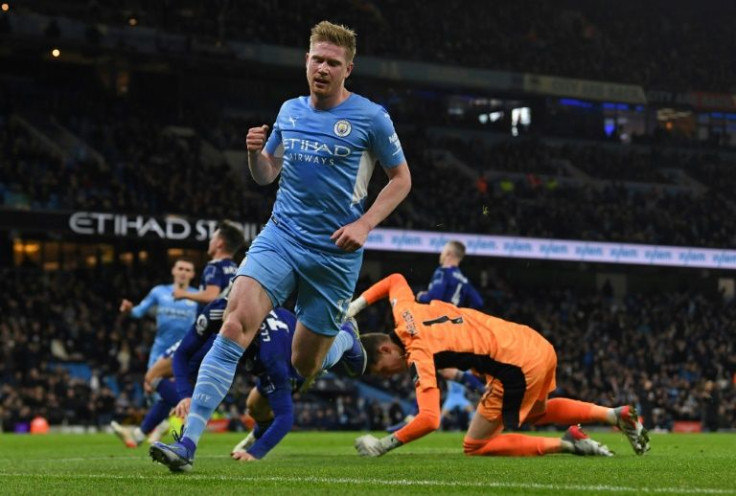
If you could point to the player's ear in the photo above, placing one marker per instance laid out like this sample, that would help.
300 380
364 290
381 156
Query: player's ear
349 70
384 348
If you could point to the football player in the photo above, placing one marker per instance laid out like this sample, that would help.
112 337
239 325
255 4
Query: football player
519 366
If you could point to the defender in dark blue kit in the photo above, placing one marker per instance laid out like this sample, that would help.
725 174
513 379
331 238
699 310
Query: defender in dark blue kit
269 358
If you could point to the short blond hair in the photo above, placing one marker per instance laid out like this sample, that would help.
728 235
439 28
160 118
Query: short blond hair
336 34
458 249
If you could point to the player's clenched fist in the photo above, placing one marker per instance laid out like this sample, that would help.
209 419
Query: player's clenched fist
256 138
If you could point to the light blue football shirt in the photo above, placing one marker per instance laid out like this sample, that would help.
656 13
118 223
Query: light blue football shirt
173 317
328 159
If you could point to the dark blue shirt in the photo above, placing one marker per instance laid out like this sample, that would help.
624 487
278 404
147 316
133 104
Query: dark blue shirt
450 285
268 357
218 273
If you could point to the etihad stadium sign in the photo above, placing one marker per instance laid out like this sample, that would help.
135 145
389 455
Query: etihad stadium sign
116 225
168 227
182 229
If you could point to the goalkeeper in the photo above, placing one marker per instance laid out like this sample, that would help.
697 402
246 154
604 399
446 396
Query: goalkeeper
517 362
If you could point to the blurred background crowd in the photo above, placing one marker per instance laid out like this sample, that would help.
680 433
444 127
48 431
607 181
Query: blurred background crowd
114 130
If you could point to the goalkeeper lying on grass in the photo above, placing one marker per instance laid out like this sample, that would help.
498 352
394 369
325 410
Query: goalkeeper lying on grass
519 366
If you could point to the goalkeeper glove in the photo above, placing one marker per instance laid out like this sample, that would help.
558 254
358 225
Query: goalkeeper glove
356 306
369 445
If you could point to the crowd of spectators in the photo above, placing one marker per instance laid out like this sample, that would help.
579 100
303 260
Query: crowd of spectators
651 45
519 186
524 189
67 355
53 318
670 352
147 170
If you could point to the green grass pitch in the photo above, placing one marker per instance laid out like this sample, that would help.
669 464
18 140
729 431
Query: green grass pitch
325 463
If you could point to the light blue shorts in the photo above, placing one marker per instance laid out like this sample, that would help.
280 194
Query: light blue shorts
171 350
324 281
157 351
456 401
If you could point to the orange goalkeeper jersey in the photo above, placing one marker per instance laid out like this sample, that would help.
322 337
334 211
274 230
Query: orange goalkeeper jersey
440 335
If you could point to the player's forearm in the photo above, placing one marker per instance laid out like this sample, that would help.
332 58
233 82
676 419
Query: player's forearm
261 168
426 421
283 409
434 292
394 286
144 306
138 311
184 388
378 291
278 429
204 297
419 427
388 199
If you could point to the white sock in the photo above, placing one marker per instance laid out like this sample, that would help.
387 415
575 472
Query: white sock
138 435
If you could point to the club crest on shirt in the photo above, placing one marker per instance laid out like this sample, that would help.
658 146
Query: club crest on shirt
342 128
201 324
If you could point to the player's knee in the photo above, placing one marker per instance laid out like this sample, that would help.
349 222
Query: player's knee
149 377
305 366
150 383
231 329
435 421
472 447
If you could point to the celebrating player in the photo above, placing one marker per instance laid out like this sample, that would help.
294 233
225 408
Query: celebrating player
324 147
173 317
519 365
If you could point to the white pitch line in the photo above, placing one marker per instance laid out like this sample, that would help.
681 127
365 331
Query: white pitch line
388 482
109 458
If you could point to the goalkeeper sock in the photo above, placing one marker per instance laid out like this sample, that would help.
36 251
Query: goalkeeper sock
512 445
567 411
213 382
343 342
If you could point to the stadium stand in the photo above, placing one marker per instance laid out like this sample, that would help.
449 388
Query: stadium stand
70 143
651 45
665 351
